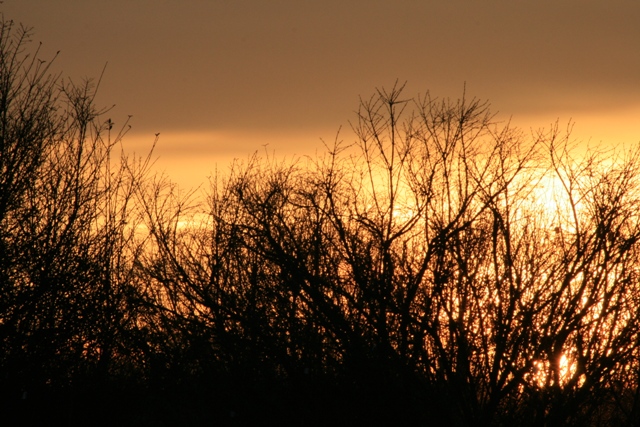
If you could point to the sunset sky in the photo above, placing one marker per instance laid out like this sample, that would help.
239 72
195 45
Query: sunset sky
219 79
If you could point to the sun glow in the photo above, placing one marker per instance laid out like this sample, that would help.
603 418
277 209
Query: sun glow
559 371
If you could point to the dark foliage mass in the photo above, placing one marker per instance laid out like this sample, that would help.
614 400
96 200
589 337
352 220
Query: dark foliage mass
444 269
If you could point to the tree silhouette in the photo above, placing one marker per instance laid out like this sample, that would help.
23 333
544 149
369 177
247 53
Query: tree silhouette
443 268
421 259
67 233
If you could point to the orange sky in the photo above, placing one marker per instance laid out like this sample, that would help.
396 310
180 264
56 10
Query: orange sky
218 79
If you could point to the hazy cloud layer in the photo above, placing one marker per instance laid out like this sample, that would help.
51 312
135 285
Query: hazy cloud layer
291 66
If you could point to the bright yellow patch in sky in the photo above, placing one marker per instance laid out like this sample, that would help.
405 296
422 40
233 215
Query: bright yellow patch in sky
189 157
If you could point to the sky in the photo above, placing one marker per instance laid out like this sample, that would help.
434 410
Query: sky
220 79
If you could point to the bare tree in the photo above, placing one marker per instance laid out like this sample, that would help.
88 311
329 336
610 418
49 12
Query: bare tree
420 265
68 239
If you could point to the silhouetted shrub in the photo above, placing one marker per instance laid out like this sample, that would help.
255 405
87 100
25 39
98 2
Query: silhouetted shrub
443 268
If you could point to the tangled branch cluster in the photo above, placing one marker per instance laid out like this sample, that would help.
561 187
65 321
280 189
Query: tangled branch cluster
444 267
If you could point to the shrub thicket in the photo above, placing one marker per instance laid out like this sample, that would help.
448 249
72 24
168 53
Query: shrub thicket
443 268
